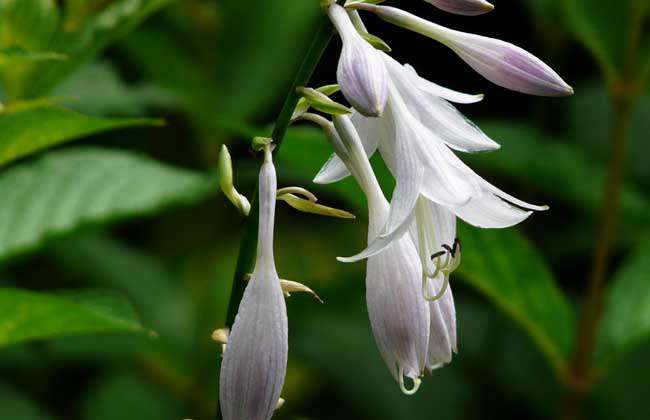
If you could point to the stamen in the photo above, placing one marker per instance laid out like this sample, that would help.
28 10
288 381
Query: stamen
425 288
402 387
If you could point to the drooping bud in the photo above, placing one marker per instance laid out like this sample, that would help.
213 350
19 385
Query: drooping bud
498 61
308 206
226 182
361 72
255 361
463 7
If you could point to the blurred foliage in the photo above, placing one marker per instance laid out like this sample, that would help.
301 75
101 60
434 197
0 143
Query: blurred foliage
116 255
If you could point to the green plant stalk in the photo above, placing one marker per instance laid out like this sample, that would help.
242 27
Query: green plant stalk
581 376
247 249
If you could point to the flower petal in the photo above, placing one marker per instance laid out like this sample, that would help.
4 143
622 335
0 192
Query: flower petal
361 72
429 88
463 7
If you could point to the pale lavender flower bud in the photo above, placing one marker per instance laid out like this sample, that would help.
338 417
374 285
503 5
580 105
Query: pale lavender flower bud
500 62
361 72
463 7
255 361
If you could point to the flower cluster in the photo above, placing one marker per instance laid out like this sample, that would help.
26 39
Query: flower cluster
412 243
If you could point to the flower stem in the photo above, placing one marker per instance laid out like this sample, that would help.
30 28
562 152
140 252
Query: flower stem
247 248
581 375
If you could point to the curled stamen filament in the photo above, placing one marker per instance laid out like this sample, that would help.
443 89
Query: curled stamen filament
425 288
402 387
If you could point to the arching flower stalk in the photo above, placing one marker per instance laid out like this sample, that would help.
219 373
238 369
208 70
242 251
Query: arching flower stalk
412 335
255 359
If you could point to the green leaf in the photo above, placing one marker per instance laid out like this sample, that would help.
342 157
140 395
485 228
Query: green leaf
69 189
80 40
12 56
29 24
26 315
26 128
99 90
608 30
506 268
625 321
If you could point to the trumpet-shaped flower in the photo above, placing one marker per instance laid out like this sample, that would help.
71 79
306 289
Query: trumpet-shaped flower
255 360
415 137
361 72
463 7
412 334
500 62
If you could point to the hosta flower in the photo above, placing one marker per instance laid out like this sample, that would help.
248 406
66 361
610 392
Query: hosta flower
502 63
255 360
412 335
361 72
414 138
463 7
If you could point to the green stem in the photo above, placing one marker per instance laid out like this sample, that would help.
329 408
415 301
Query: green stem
581 375
247 248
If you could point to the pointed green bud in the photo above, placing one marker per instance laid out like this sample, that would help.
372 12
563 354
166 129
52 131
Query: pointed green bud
322 102
224 168
353 2
308 206
376 42
303 105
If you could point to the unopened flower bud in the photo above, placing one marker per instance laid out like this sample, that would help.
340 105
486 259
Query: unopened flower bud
498 61
463 7
226 182
361 72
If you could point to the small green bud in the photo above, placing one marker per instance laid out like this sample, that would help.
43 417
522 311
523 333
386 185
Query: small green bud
322 102
303 105
309 206
224 168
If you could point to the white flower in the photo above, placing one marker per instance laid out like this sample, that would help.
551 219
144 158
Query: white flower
502 63
414 138
255 360
361 72
463 7
412 335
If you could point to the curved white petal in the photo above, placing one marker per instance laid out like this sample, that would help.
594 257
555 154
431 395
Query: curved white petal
399 317
361 72
427 87
436 114
442 336
255 361
332 171
463 7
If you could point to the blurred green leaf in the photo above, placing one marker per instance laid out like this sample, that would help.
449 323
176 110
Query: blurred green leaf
68 189
554 167
26 315
507 268
26 129
625 321
29 24
79 40
99 90
609 30
122 395
15 406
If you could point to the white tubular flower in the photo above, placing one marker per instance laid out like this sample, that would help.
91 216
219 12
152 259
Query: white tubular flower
255 361
361 72
463 7
414 138
500 62
400 318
